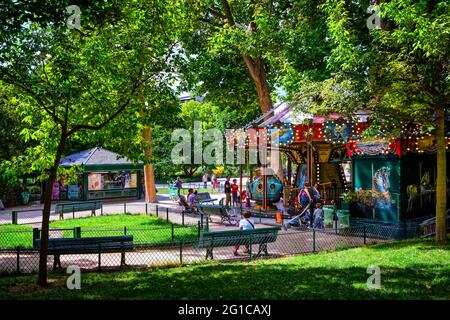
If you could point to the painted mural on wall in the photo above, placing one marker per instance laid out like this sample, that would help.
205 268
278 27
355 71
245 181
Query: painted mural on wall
377 189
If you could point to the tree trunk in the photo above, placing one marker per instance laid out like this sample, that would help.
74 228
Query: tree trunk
257 72
441 183
149 176
42 276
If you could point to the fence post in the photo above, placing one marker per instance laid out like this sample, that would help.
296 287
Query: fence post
365 237
250 246
182 217
173 231
201 220
73 212
146 208
36 236
181 252
314 240
157 211
101 209
207 223
405 233
125 231
14 217
99 257
198 229
124 208
18 259
167 214
77 232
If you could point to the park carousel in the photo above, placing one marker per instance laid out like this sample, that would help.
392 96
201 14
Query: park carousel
384 178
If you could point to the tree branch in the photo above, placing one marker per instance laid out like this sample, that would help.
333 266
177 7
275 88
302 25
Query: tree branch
228 14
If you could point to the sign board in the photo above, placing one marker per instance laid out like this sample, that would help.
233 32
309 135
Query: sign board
55 191
73 192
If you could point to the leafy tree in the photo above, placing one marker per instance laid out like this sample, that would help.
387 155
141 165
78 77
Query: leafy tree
77 81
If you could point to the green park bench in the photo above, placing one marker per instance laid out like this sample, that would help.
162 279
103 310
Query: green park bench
73 207
94 245
205 197
215 210
260 236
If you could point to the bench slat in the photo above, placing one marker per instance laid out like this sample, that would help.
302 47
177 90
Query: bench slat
234 237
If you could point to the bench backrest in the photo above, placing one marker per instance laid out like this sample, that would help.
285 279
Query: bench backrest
78 206
232 237
56 243
203 196
211 209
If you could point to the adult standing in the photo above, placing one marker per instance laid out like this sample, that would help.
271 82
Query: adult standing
205 180
178 185
316 196
305 199
235 193
227 189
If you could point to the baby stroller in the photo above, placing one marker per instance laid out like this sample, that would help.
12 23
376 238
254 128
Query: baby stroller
302 220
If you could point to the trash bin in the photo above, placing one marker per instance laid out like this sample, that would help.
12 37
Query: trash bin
25 197
343 218
328 217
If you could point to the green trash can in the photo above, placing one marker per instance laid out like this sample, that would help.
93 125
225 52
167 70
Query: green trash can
25 197
343 218
328 217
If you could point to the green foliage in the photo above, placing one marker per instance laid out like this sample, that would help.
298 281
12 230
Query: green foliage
74 82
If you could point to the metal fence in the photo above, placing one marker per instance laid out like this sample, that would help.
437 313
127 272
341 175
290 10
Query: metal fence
181 249
33 217
177 242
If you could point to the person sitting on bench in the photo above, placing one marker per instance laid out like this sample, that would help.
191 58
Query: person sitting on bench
245 224
184 201
192 199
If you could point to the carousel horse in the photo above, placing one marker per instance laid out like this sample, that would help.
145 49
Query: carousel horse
425 187
413 193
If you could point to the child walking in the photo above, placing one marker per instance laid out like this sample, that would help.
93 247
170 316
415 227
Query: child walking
318 216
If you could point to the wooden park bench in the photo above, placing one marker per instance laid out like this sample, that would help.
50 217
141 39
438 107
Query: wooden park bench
215 210
205 197
260 236
73 207
98 245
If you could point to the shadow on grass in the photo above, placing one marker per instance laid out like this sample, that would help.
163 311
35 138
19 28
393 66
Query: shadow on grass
246 281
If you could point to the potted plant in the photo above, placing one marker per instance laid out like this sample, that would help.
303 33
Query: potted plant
347 197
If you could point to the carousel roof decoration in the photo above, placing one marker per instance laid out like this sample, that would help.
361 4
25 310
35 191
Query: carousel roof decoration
293 128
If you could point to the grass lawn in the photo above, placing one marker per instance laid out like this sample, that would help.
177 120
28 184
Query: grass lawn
414 269
145 230
12 236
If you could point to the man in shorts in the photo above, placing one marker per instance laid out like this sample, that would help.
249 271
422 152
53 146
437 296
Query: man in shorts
227 188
